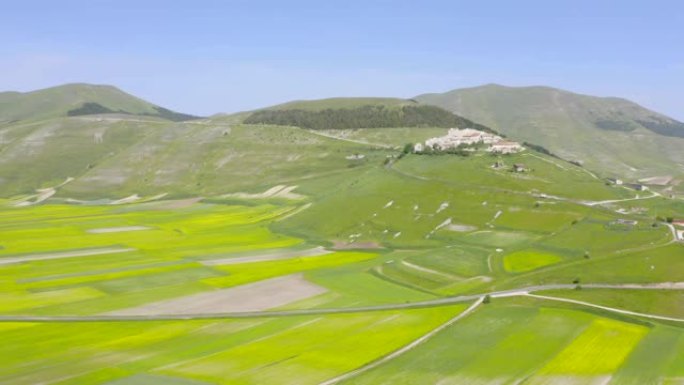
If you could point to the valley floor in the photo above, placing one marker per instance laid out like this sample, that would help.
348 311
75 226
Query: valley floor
409 273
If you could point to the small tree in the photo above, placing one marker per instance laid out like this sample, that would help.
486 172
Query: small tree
487 299
576 281
670 219
408 148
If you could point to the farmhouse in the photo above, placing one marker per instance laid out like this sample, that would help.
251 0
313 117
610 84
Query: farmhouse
519 167
638 186
615 181
678 222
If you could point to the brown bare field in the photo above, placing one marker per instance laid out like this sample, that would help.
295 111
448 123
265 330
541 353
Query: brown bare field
255 296
272 256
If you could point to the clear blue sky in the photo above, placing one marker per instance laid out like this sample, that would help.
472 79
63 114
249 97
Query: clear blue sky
205 57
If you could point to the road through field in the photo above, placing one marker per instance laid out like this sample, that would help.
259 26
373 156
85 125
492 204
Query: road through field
611 309
446 301
406 348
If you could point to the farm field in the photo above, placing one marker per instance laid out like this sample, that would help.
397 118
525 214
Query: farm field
409 271
294 350
506 343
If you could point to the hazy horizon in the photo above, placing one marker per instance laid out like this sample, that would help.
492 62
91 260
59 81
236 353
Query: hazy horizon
215 57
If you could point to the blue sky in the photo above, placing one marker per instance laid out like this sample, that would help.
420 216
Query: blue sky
205 57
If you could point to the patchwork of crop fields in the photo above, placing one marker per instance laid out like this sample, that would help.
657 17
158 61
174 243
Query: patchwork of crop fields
375 275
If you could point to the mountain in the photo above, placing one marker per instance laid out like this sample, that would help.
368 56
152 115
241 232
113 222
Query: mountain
78 99
52 137
611 135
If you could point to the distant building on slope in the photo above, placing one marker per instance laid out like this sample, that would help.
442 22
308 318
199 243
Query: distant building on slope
468 136
638 186
519 167
456 137
505 147
615 181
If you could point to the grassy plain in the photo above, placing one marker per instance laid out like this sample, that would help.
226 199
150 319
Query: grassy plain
527 260
418 228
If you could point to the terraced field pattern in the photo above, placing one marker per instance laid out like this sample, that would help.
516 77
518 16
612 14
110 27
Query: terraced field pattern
293 262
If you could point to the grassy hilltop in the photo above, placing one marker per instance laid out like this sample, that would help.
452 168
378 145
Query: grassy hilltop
77 99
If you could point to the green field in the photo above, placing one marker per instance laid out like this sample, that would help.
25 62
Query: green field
527 260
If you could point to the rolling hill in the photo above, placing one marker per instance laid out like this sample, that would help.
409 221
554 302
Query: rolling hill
113 144
355 113
75 100
612 135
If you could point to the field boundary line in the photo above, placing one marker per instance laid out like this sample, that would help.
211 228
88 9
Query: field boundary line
428 270
406 348
64 254
607 308
442 301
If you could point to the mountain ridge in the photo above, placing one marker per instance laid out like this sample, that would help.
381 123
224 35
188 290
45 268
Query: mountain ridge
74 99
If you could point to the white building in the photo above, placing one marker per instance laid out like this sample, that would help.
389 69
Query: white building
468 136
456 137
505 147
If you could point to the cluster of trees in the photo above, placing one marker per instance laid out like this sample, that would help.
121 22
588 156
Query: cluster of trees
91 108
541 149
172 115
369 116
664 126
615 125
460 151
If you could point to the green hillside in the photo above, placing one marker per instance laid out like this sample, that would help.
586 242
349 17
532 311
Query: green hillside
349 113
77 99
612 135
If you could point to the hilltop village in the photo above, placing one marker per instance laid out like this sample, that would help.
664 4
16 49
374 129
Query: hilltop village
469 139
